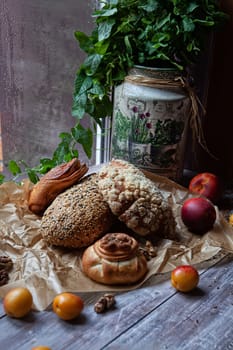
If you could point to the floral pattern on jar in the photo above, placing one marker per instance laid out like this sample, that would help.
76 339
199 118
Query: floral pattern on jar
149 128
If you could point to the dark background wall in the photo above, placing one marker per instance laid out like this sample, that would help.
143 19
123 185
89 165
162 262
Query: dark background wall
218 122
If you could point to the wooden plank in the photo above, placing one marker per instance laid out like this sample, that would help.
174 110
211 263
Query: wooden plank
132 310
199 320
89 330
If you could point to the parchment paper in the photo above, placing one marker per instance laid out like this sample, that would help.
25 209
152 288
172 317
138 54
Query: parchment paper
47 270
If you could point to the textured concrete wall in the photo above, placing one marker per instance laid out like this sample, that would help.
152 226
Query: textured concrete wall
1 155
38 60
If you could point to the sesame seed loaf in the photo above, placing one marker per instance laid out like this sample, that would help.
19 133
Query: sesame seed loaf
135 199
78 216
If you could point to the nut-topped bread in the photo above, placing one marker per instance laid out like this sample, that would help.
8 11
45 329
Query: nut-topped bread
135 199
78 216
114 259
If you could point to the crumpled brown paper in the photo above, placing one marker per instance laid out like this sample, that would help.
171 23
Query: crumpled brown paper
47 271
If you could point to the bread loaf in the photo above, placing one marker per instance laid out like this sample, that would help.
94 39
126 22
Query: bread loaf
54 182
135 199
114 259
78 216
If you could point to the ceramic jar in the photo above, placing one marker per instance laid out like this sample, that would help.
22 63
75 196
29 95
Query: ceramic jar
150 121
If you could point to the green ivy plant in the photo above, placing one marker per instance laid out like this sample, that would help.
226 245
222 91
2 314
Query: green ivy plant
156 33
65 151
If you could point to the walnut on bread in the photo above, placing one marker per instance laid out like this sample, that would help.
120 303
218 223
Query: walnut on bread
114 259
135 199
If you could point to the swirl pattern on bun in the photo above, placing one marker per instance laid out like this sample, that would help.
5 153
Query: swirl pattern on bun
114 259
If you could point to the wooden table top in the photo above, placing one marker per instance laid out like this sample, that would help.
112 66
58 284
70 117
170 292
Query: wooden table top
154 316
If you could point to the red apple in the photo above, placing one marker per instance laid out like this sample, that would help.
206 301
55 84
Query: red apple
198 214
208 185
184 278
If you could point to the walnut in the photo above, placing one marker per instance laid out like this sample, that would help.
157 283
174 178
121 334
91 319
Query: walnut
115 241
104 303
4 277
116 246
149 251
5 263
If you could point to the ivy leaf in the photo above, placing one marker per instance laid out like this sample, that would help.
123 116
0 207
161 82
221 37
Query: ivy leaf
14 167
104 29
84 41
45 165
33 177
82 85
91 63
79 106
85 85
192 7
188 24
101 47
150 6
84 137
128 45
204 22
161 23
80 77
105 12
64 151
2 178
97 90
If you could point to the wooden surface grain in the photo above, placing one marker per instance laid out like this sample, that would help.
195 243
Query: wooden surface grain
154 316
